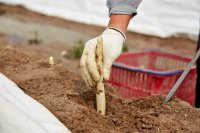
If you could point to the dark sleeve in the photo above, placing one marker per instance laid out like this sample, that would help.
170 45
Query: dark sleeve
197 98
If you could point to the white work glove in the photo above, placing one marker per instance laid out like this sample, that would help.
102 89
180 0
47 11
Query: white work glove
113 41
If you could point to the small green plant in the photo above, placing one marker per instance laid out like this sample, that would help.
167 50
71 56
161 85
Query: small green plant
76 51
35 38
125 47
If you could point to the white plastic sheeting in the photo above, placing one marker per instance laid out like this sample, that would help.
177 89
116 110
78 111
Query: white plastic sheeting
161 18
166 18
20 113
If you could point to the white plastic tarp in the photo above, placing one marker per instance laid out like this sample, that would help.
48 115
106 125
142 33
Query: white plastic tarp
163 18
20 113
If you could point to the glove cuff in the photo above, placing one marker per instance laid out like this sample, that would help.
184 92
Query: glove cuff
113 30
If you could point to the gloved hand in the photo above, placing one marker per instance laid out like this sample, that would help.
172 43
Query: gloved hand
112 45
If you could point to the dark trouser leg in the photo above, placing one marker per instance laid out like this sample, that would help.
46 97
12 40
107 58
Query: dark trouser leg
197 99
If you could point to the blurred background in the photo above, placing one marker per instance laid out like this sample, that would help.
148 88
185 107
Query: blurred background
60 28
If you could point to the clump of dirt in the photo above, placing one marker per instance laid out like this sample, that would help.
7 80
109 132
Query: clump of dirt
67 97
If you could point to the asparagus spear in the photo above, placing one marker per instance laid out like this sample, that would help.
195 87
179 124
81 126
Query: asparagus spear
100 93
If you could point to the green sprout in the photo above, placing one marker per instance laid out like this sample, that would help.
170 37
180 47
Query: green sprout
76 51
125 47
35 38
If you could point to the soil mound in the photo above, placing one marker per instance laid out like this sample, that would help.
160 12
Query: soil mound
67 97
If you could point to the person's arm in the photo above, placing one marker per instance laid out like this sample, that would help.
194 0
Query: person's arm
120 21
120 12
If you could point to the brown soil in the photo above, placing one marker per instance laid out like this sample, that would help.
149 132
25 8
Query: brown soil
67 97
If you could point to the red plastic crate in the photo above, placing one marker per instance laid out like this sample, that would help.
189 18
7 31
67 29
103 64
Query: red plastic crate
145 73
